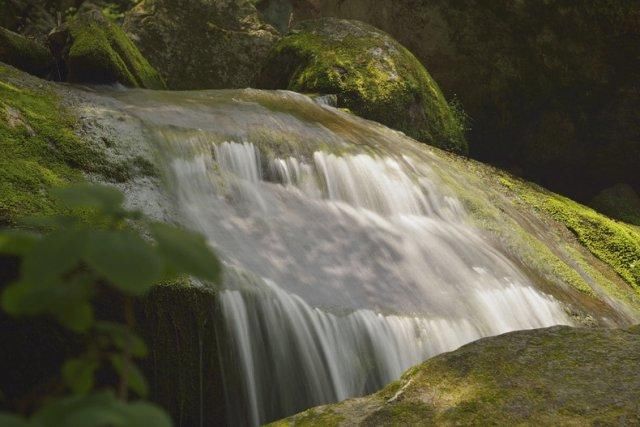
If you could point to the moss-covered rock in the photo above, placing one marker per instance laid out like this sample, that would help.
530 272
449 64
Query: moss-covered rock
528 73
202 44
91 49
180 324
556 240
554 376
371 74
25 54
32 18
617 244
620 202
39 147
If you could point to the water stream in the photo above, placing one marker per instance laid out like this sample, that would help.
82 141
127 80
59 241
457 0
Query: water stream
348 257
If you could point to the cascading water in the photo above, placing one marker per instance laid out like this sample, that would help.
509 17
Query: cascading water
348 258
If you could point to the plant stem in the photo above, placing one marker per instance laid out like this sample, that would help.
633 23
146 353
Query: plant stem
123 391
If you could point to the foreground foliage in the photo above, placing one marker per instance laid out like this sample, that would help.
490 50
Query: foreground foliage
96 247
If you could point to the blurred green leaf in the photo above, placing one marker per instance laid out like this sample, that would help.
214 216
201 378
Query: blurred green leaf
9 420
67 300
124 259
104 198
144 414
186 252
135 378
15 242
78 318
93 410
78 374
21 298
122 336
52 256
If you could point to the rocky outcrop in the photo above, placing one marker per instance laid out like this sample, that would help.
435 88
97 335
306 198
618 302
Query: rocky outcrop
558 375
91 49
551 87
25 54
199 44
371 74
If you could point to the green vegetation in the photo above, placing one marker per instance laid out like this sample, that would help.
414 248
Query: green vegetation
24 53
39 150
615 243
371 74
100 52
558 375
93 249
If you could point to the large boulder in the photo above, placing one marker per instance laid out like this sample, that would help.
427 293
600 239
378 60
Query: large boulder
372 75
91 49
202 44
518 66
25 54
554 376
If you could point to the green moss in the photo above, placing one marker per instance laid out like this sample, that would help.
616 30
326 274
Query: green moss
24 53
518 214
553 376
39 149
102 53
371 74
313 417
615 243
401 414
179 322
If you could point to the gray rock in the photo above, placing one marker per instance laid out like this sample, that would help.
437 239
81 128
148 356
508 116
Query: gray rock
202 44
553 376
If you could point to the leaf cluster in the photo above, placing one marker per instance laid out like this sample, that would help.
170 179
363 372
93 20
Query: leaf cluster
95 244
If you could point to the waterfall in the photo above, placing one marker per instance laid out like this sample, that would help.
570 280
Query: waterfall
348 259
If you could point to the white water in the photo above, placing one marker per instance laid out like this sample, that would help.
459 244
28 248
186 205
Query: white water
344 269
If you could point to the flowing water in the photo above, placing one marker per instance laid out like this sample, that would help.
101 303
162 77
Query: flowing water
348 257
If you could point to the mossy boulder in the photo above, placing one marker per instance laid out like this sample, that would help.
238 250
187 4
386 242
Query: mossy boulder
372 75
518 67
553 376
202 44
620 202
91 49
31 18
36 18
25 54
40 148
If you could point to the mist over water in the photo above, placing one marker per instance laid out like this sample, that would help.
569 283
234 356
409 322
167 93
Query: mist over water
348 258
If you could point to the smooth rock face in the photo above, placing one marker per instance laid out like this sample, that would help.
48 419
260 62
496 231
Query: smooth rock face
552 78
552 376
202 44
371 74
90 49
25 54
